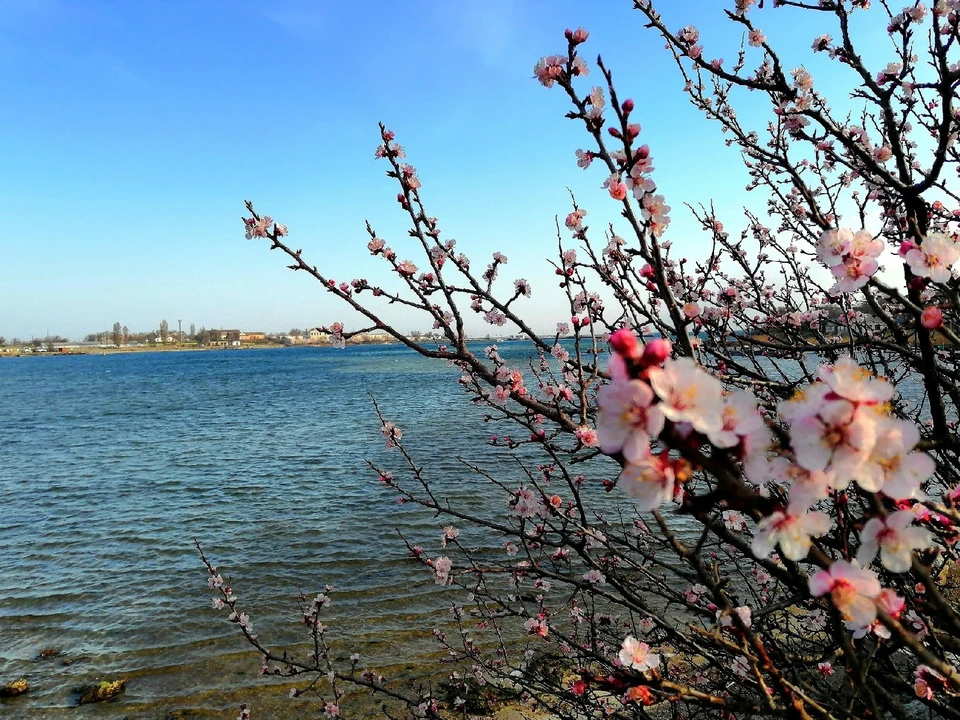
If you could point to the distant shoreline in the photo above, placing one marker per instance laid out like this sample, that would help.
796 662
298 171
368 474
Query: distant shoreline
126 349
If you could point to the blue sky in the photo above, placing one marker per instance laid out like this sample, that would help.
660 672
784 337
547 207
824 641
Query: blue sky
133 131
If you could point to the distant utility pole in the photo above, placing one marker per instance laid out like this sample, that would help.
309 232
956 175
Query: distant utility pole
180 331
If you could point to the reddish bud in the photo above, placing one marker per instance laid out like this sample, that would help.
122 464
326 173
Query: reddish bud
627 106
906 246
614 132
932 318
656 352
625 344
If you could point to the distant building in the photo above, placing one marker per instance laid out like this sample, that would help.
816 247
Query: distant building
252 337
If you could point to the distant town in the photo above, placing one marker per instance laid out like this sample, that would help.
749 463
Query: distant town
121 339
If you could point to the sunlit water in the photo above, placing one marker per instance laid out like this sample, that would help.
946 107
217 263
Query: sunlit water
110 466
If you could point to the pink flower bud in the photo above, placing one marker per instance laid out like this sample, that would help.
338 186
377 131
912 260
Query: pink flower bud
625 344
932 318
906 246
627 106
656 351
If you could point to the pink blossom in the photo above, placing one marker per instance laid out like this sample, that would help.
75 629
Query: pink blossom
655 212
391 433
740 417
627 418
449 533
574 220
850 381
441 570
927 682
689 394
594 577
406 268
588 436
852 589
756 38
895 537
331 710
650 480
691 310
933 258
932 317
792 533
636 655
537 626
891 467
725 618
549 69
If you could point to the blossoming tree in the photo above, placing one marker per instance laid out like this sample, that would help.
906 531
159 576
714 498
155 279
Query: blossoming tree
774 425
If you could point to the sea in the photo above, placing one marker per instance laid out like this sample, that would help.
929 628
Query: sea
113 466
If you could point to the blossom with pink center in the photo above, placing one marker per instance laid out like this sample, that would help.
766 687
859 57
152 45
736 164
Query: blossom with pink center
331 710
726 619
594 577
932 318
655 211
850 381
650 480
934 257
793 533
689 394
838 438
549 69
406 268
441 570
616 187
852 589
927 682
756 38
890 603
391 433
527 504
740 417
574 221
449 533
895 537
537 626
691 310
636 655
807 487
891 467
627 419
588 436
852 274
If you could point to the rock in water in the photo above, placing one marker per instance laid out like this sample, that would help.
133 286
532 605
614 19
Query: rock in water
17 687
101 691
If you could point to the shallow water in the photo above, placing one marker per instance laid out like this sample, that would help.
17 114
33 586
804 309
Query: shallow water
111 465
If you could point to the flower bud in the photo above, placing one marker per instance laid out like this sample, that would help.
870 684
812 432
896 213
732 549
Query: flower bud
656 352
932 318
625 344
